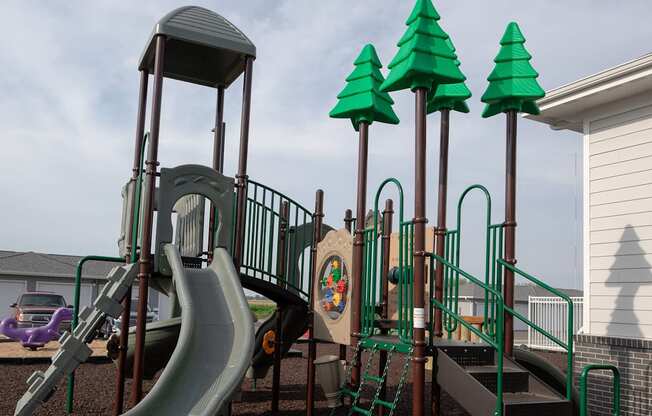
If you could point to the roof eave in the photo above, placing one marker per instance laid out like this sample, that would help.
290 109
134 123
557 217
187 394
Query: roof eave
564 108
12 273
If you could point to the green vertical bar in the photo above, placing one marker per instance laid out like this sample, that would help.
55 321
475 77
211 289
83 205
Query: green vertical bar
401 265
75 316
411 287
272 230
293 262
256 242
263 232
491 327
247 254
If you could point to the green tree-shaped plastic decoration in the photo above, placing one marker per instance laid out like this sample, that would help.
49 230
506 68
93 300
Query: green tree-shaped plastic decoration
424 58
513 82
361 100
449 96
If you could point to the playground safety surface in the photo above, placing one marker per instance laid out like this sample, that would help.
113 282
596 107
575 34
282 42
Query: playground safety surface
96 383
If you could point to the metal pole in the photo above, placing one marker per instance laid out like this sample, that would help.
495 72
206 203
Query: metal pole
217 159
118 402
387 235
241 177
145 261
318 217
510 227
222 147
358 245
419 359
348 220
278 346
440 235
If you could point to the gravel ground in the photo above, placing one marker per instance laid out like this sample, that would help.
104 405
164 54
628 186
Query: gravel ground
95 389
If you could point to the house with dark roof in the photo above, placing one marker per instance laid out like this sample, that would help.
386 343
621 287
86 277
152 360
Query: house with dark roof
30 271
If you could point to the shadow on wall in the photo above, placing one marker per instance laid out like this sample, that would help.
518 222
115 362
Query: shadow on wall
629 273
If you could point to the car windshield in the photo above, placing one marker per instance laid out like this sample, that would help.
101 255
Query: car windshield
53 301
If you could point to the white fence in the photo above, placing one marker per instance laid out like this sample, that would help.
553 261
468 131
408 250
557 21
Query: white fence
551 314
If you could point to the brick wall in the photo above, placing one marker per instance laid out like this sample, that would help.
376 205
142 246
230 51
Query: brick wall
633 357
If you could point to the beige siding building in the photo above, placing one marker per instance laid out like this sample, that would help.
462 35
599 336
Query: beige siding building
613 112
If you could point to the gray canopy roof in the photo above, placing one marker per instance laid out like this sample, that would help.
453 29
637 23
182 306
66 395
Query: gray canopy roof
202 47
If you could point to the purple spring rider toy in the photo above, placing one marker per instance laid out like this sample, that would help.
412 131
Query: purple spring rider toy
34 338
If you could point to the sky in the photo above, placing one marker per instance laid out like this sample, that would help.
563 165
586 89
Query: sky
68 95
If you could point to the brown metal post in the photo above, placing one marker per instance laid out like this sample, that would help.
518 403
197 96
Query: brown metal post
145 261
118 402
440 234
348 221
510 227
419 359
318 217
387 235
218 150
358 245
278 346
440 230
241 177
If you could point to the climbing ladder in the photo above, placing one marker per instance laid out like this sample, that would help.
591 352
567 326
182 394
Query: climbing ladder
356 393
367 396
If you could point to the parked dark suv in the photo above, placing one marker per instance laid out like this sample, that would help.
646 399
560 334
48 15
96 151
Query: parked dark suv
34 309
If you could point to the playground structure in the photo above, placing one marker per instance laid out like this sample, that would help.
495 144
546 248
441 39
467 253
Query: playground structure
338 290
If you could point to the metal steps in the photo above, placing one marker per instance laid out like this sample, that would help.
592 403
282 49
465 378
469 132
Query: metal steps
468 373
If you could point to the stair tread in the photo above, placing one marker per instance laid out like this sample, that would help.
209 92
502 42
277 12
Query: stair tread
525 397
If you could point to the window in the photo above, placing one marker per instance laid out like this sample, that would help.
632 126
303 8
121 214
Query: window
45 300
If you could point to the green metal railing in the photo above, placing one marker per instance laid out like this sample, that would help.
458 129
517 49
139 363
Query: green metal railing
75 315
615 405
567 346
494 340
262 228
405 304
372 280
493 251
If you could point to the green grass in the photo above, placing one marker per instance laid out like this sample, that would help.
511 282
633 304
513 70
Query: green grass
262 310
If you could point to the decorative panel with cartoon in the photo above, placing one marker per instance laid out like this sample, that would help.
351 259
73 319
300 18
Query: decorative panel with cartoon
333 288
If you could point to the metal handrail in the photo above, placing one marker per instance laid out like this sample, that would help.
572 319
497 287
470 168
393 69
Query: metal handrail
75 315
370 278
493 251
285 197
615 406
136 208
262 227
568 346
498 343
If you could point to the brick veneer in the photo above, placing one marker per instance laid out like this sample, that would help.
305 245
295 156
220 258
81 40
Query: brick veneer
633 357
